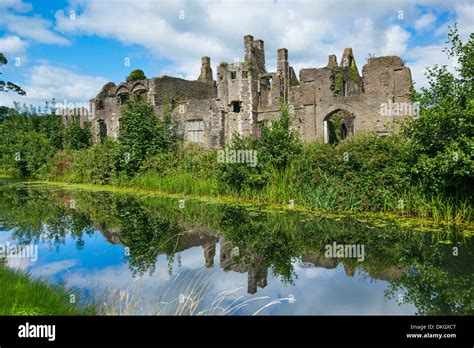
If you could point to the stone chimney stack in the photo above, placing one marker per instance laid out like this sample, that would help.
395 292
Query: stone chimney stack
259 53
282 61
347 57
248 47
283 69
332 61
206 71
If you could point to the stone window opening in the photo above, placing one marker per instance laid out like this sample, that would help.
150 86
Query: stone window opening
195 131
102 129
233 75
123 97
344 88
236 106
100 104
244 74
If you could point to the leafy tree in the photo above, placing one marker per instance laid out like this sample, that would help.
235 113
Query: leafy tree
77 137
167 137
137 134
136 75
275 146
7 86
144 135
441 139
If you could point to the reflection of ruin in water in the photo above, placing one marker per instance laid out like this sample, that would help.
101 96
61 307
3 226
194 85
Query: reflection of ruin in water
253 265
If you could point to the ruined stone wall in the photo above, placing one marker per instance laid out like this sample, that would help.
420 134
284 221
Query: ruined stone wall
245 96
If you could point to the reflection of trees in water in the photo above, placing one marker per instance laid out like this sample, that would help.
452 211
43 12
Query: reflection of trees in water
145 235
436 281
37 215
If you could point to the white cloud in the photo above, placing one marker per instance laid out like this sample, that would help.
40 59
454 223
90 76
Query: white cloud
12 45
181 32
465 18
32 27
425 22
396 40
16 5
46 82
421 57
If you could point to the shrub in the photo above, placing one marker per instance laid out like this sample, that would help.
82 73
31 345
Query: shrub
136 75
77 137
275 146
97 164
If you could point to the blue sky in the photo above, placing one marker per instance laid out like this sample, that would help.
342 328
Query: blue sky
68 49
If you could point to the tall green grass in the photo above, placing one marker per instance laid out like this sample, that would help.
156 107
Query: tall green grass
184 182
22 295
373 179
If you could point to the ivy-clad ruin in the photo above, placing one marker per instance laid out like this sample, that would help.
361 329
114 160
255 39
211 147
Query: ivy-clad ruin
328 104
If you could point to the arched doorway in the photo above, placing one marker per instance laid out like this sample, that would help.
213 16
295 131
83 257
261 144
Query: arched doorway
338 125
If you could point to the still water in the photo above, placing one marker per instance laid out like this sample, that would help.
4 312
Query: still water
139 254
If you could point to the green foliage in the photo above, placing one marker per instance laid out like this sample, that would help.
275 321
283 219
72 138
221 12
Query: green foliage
441 139
29 141
337 77
249 65
144 135
24 144
77 137
98 164
275 148
353 74
22 295
136 75
359 174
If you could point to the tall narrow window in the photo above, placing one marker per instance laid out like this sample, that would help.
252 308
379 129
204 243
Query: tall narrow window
102 129
344 88
195 131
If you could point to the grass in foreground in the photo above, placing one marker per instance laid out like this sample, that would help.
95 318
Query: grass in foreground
22 295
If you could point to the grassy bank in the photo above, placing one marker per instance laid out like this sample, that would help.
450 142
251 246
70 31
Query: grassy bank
22 295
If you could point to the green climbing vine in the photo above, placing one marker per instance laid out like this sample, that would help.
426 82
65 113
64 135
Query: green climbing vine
337 77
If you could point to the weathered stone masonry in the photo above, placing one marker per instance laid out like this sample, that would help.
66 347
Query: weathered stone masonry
327 103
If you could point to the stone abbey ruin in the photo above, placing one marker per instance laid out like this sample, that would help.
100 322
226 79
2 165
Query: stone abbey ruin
327 104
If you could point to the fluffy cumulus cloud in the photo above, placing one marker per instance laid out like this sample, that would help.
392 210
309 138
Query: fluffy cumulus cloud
180 32
46 82
183 31
425 22
17 19
11 45
396 41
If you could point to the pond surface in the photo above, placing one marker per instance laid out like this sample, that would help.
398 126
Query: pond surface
138 254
